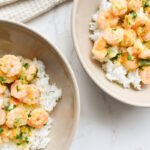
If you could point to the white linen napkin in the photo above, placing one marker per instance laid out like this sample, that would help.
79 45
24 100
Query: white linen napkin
25 10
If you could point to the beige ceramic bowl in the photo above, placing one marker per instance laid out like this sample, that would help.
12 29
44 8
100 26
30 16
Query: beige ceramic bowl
18 39
81 16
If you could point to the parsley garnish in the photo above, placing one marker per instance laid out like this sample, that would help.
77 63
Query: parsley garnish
1 130
17 87
129 56
116 57
114 29
134 14
26 65
2 79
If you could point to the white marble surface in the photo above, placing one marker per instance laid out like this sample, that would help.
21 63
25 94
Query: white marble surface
105 123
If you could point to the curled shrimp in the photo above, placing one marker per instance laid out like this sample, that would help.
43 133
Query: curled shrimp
29 71
113 36
2 117
119 7
144 74
18 89
145 54
16 117
38 118
10 65
99 50
142 25
106 19
134 4
32 96
129 59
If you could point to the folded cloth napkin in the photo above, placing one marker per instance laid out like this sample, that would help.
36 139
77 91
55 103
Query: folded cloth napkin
25 10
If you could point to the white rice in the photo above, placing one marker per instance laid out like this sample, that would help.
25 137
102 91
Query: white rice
114 71
49 96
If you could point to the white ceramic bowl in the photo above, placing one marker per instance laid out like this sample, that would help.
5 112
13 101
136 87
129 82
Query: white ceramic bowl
81 17
18 39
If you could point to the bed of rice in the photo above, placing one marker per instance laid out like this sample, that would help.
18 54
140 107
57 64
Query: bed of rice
50 94
114 71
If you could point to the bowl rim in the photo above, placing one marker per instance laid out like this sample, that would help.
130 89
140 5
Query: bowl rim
72 75
74 37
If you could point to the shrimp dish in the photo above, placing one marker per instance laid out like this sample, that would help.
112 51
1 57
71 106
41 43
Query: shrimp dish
26 101
120 31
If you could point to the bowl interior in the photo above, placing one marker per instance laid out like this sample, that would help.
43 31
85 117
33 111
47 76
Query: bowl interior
82 12
18 40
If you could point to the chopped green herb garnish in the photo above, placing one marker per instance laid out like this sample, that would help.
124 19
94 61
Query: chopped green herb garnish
9 107
9 70
17 120
29 115
17 87
1 130
116 57
18 144
107 46
21 76
146 4
114 29
19 136
129 56
144 62
15 127
109 51
25 77
26 139
26 65
134 14
2 79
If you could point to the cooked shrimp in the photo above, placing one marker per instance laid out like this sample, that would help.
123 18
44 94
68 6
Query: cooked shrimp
134 4
129 62
113 36
5 79
129 38
119 7
2 117
38 118
139 46
146 36
18 89
145 75
33 95
99 50
145 54
29 71
10 65
106 19
142 25
128 21
16 117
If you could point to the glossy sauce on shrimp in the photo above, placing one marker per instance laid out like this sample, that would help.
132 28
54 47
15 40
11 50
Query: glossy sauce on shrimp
125 36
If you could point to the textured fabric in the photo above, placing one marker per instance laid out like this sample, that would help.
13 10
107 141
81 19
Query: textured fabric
25 10
5 2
